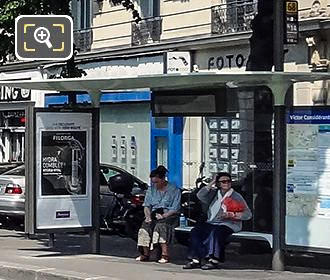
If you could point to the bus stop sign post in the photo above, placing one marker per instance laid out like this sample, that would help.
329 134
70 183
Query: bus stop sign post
279 140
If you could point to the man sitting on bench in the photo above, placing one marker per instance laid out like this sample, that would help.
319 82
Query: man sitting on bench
226 210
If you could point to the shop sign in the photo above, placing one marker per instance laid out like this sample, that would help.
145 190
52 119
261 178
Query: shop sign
226 61
177 62
14 94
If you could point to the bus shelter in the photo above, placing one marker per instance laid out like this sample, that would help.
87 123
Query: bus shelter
199 83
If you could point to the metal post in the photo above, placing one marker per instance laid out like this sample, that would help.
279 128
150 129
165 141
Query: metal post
95 233
30 175
279 183
278 35
279 144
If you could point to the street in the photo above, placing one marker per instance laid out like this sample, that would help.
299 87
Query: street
70 256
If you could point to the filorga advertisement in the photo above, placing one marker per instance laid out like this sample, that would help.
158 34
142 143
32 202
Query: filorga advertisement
63 163
63 169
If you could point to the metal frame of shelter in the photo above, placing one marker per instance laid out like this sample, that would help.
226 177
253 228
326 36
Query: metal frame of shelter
278 82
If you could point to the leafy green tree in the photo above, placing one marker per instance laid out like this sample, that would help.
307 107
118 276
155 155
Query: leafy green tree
10 9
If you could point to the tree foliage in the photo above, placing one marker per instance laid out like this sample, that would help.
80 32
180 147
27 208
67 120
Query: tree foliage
10 9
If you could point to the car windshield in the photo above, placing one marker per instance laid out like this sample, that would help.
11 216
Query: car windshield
20 170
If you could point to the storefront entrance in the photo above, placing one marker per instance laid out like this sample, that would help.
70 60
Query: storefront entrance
166 146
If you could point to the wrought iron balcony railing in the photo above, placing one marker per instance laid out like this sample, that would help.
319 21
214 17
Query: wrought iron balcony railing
233 17
83 39
146 31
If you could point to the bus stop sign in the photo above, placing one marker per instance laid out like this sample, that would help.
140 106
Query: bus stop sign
291 22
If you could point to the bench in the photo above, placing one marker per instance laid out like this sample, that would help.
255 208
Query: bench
250 235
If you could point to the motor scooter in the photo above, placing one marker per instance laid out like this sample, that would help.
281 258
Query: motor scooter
122 213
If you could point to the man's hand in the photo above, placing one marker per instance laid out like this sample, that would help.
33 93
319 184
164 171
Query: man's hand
148 220
159 216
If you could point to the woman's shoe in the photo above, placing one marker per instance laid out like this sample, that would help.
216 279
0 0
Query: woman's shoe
163 259
142 258
210 265
192 265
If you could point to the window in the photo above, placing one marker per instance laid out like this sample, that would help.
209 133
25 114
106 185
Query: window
81 13
148 8
82 17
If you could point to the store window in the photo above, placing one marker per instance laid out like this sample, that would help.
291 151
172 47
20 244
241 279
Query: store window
12 129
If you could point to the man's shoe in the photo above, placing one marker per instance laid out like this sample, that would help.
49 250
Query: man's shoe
210 265
192 265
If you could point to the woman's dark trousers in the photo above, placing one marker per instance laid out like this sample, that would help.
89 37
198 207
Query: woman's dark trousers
209 241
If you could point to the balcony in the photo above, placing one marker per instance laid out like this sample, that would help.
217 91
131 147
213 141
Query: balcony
146 31
231 18
83 39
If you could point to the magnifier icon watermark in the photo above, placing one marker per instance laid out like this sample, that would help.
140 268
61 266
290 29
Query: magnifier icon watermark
42 35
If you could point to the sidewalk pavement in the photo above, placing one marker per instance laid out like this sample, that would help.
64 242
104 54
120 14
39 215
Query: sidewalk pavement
32 259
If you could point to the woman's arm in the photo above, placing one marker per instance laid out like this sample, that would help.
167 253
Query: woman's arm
147 205
206 194
245 215
147 214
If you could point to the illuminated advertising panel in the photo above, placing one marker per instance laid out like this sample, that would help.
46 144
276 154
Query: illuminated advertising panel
63 169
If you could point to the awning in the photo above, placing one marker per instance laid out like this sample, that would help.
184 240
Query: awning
279 82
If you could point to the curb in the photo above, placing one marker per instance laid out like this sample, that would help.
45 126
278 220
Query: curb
11 271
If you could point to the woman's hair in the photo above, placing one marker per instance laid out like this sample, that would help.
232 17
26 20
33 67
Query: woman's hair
159 172
221 174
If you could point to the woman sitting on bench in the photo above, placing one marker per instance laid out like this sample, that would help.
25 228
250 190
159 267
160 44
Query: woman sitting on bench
161 208
226 210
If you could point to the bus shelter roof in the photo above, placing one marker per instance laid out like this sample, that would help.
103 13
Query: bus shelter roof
278 82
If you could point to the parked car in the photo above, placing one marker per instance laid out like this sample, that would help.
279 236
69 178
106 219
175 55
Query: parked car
6 166
12 194
12 189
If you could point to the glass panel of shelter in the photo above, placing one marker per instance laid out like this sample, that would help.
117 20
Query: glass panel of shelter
240 142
